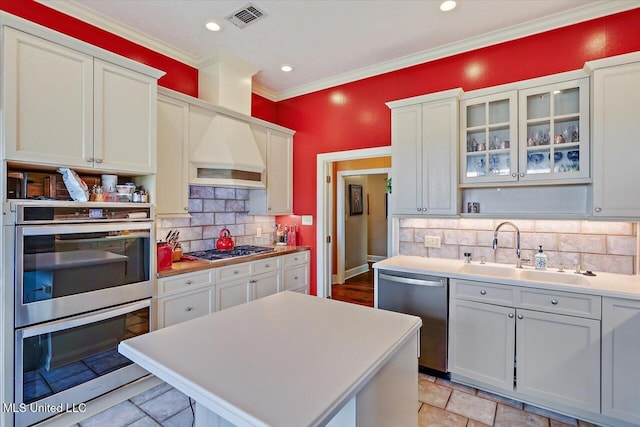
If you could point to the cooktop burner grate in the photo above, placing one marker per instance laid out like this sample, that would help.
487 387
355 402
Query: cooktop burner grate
243 250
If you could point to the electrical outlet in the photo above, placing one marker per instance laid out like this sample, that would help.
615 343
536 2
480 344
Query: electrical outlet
432 241
258 231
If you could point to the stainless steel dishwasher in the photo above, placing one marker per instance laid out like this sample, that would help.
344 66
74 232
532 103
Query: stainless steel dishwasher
424 296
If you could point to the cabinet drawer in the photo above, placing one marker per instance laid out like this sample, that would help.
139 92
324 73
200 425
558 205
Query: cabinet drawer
296 258
234 271
266 265
569 303
483 292
184 307
295 278
183 282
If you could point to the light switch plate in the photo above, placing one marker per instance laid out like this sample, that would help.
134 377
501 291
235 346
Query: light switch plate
432 241
258 231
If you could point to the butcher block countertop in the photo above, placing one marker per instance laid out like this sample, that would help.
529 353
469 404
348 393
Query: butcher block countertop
188 266
284 360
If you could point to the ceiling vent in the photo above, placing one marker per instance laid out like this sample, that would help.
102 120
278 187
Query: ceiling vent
245 16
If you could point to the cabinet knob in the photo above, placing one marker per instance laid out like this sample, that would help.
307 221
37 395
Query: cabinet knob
186 208
295 278
483 292
253 281
267 265
521 174
514 174
554 301
90 160
419 209
598 209
295 259
268 209
511 315
520 316
188 308
98 160
188 282
236 272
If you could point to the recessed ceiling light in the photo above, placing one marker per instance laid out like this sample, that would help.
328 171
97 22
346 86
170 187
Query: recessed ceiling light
212 26
448 5
286 68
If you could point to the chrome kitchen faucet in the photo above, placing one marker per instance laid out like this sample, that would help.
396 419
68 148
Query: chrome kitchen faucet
518 252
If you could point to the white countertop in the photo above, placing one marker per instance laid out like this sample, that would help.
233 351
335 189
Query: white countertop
284 360
604 284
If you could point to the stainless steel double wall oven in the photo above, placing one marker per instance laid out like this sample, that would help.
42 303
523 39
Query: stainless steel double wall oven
83 282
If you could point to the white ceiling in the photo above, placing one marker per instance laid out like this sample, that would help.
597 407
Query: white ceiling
329 42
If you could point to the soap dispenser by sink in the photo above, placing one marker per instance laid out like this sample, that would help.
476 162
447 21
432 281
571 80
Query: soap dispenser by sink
541 260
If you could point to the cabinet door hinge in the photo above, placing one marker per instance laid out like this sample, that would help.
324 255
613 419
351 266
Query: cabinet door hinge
328 179
328 239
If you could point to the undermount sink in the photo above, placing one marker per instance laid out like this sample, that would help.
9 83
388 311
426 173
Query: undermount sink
567 278
490 270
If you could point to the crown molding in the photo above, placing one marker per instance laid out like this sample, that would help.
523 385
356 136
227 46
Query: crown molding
83 13
558 20
589 11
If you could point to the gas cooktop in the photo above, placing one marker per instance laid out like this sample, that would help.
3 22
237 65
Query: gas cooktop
238 251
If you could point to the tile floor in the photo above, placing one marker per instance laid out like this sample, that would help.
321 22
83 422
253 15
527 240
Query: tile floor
441 403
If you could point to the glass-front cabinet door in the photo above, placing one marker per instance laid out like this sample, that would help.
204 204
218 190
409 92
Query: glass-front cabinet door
554 131
489 139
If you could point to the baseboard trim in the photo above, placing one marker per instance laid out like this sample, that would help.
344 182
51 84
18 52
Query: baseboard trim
375 258
348 274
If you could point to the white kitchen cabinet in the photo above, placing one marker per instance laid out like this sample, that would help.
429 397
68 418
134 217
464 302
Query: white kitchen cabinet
536 345
295 272
183 307
529 135
64 107
276 148
558 358
482 342
616 129
48 101
488 138
235 292
424 134
125 116
554 132
184 297
240 283
172 178
620 361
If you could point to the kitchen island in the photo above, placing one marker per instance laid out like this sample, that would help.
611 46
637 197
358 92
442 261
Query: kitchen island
290 360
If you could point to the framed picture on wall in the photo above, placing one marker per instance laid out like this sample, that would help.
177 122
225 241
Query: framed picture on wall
355 199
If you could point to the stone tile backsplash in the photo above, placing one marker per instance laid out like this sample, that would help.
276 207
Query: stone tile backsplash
215 208
597 246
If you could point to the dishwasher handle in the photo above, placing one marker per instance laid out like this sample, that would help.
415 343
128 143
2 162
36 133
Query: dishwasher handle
420 282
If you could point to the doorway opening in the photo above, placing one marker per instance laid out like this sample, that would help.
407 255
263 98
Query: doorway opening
327 208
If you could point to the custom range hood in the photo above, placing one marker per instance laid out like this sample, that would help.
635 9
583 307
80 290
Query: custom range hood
223 148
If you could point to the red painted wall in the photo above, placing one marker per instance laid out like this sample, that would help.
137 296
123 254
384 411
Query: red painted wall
263 108
179 77
354 115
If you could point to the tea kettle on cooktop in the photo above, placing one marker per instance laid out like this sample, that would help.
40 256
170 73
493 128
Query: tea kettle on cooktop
225 242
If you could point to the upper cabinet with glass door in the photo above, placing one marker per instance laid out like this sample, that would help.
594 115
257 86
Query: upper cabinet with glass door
528 134
554 132
488 128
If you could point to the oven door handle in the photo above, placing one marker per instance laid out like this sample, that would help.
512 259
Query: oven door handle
48 229
84 319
